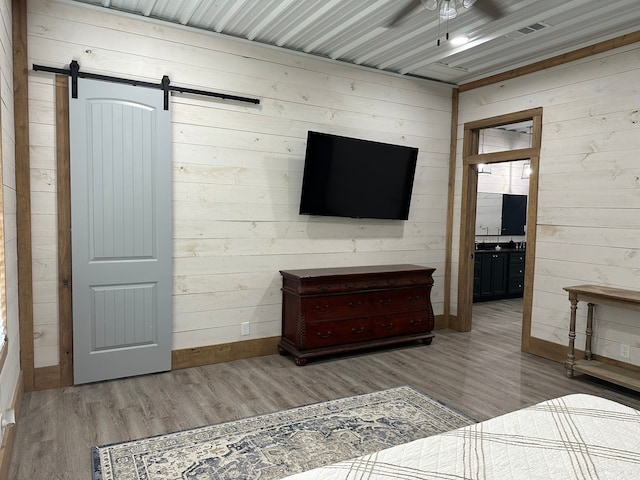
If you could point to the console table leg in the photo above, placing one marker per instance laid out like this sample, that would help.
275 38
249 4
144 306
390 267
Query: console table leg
571 357
589 332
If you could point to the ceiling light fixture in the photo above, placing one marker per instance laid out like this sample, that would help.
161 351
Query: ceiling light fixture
459 40
447 10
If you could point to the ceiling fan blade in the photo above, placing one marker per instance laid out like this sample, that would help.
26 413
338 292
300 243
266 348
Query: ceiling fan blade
411 6
490 8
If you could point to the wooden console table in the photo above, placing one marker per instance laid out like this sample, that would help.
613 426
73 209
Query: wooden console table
334 310
598 294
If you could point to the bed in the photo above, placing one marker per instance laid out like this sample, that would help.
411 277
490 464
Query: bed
572 437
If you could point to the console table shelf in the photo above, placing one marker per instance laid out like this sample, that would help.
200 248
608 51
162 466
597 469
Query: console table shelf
611 373
598 294
333 310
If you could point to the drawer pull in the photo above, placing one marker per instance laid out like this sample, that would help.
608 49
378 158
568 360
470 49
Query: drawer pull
414 299
415 321
324 287
324 335
350 285
358 304
320 308
416 280
357 331
392 282
387 326
385 301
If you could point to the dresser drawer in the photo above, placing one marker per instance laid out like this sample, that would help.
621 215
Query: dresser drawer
404 280
339 332
401 324
401 300
335 306
328 286
321 286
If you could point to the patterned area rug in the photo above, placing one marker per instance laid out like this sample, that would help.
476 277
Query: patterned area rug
278 444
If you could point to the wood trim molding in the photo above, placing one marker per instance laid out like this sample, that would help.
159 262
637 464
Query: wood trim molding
555 61
558 353
549 350
532 222
8 439
500 120
441 322
450 208
470 157
53 376
463 322
47 377
504 156
226 352
4 351
23 189
63 175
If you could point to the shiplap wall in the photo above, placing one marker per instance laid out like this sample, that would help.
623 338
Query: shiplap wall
11 370
588 226
238 168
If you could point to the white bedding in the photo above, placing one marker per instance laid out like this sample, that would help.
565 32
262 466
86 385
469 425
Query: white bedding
572 437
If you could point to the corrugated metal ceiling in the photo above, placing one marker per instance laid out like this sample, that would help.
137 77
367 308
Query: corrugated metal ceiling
355 31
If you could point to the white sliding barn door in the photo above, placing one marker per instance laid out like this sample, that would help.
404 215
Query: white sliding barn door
121 231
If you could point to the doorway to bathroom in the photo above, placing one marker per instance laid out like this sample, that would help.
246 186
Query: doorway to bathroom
509 144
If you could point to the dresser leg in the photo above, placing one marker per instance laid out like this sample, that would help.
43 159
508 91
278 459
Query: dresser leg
301 362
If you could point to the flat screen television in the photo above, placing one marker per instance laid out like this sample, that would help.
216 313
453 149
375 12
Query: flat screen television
349 177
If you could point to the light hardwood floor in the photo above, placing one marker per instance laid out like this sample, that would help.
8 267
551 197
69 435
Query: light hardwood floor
482 373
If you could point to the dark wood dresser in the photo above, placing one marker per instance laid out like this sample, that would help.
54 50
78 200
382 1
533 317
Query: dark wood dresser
334 310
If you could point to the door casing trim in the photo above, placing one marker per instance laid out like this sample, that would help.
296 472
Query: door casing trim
470 159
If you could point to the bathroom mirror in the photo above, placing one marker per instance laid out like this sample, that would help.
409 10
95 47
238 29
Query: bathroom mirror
501 214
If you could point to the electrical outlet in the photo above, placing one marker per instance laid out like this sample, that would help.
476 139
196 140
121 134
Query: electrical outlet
245 328
624 350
